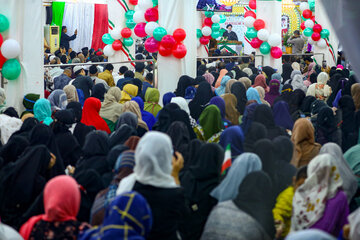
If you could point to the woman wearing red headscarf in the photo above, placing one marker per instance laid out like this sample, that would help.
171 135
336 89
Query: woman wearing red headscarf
91 117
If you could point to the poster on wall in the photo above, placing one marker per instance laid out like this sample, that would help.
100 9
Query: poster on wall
213 5
285 24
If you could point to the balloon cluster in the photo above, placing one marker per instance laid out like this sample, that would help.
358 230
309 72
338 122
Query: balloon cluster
260 37
9 51
311 29
211 28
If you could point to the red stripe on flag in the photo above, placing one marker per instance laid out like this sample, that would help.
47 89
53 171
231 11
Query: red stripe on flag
128 57
122 5
101 24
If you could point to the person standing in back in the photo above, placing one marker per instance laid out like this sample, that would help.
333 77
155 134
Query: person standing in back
65 39
297 43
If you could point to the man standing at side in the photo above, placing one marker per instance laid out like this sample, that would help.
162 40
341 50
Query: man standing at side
65 39
297 42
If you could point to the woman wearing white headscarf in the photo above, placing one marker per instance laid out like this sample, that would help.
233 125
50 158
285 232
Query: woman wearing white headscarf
320 90
298 83
58 100
182 103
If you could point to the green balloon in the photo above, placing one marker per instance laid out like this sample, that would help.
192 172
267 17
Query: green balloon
4 23
107 39
222 18
312 5
155 2
11 69
130 23
159 33
129 14
265 48
222 31
198 33
251 33
209 14
308 32
325 33
128 42
215 34
215 27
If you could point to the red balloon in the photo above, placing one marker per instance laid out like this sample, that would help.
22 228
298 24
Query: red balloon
139 30
179 34
302 26
1 39
252 4
126 32
179 51
250 14
256 42
313 18
204 40
276 52
165 51
151 45
152 15
208 22
117 45
317 28
316 36
168 41
133 2
2 60
259 24
307 13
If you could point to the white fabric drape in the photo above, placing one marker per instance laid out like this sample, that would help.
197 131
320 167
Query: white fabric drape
79 16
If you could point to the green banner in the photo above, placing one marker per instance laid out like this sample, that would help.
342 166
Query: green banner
58 14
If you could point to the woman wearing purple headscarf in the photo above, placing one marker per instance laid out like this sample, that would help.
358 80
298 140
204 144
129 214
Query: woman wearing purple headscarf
274 91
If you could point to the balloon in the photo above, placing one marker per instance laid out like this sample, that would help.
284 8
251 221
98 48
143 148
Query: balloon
130 23
159 33
209 14
152 15
215 27
325 33
249 22
129 14
313 19
11 69
274 40
302 26
317 28
109 51
139 16
198 33
179 50
252 4
304 6
310 41
250 14
107 39
139 30
165 51
265 48
133 2
322 43
308 32
1 39
222 18
2 60
180 34
128 42
215 34
215 19
151 45
115 33
251 33
206 31
145 4
126 32
256 43
204 41
311 5
307 14
155 2
222 31
263 35
259 24
117 45
4 23
276 52
150 27
168 41
309 24
316 36
208 22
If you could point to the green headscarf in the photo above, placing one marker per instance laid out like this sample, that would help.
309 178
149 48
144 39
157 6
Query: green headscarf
151 105
42 111
210 121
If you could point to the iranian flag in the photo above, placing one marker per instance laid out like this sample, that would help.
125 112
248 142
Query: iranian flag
227 160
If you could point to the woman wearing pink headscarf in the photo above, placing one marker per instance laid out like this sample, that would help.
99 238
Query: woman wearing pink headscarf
260 80
311 70
210 79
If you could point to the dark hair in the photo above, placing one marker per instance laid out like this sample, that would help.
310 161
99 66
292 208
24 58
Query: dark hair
123 69
202 68
62 47
91 51
47 51
85 52
229 25
109 67
101 58
78 72
93 69
301 173
297 32
212 69
72 55
140 49
149 77
221 65
63 59
139 57
230 74
129 74
63 28
246 59
139 67
57 53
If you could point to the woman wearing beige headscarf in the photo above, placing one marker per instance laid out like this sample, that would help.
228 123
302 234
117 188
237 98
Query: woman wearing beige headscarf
132 106
355 93
246 81
261 92
231 113
229 84
111 109
71 93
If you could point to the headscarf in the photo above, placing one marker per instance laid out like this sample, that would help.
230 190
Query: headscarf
210 79
77 110
258 204
306 105
71 93
180 137
311 70
98 91
152 96
90 115
239 91
295 100
253 94
229 84
114 154
221 89
235 137
13 149
29 101
320 90
246 82
42 111
202 97
248 116
256 132
167 98
295 66
220 103
132 106
230 108
241 167
147 117
261 92
248 71
122 134
129 91
282 115
181 102
260 80
349 180
298 83
274 91
315 192
316 106
355 93
310 234
125 160
190 93
305 147
326 123
349 127
111 109
222 74
269 71
61 203
184 82
286 72
210 121
58 100
128 118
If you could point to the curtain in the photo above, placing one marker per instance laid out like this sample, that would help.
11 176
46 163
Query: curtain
57 14
100 25
79 16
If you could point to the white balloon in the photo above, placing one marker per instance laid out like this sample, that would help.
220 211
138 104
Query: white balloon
109 51
206 31
274 40
309 23
136 8
115 33
139 16
145 4
263 34
215 18
321 43
311 41
304 6
249 22
10 49
150 27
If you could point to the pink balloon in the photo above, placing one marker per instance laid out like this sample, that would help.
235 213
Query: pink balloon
276 52
139 30
151 45
256 42
152 15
